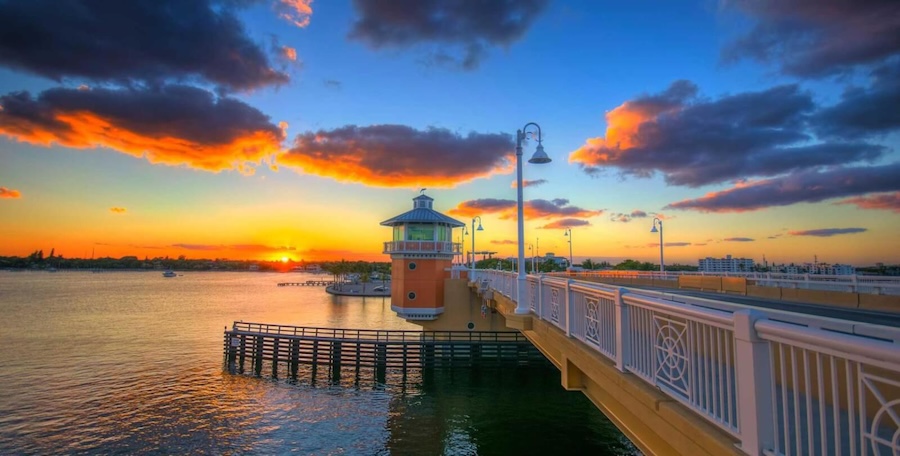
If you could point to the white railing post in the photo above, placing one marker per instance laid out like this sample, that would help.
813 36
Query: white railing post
623 347
569 304
540 297
753 374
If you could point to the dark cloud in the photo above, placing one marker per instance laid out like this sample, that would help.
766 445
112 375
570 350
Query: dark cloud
625 218
400 156
813 38
677 244
562 224
236 247
536 208
530 183
204 247
805 187
134 41
457 31
672 244
9 193
828 232
173 125
695 141
505 242
883 201
738 239
865 112
118 210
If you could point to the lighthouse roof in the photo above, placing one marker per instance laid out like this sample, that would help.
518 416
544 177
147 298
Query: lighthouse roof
422 213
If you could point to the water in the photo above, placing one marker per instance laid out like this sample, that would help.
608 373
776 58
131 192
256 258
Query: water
132 363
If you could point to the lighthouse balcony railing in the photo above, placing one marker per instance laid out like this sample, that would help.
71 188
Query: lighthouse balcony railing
779 382
453 248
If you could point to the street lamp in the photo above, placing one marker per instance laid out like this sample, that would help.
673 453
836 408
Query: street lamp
656 221
462 245
569 235
531 254
473 237
539 157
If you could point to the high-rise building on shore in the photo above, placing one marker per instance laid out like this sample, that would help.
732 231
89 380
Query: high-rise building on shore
727 264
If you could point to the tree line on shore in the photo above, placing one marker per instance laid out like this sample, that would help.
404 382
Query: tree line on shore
339 269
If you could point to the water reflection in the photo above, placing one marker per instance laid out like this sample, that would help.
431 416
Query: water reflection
131 363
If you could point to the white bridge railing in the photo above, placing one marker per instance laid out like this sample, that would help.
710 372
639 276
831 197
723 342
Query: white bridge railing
779 382
852 283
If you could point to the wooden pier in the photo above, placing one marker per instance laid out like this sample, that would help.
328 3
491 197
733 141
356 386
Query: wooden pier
250 346
308 283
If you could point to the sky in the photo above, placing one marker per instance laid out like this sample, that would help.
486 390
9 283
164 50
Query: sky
289 129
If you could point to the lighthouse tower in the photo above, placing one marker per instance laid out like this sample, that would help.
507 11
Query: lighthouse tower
422 250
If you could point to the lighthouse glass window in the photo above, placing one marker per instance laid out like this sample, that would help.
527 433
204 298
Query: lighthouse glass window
420 232
398 233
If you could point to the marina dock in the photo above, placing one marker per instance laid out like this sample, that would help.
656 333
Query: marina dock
308 283
260 347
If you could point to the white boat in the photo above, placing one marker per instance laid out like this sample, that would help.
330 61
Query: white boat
169 273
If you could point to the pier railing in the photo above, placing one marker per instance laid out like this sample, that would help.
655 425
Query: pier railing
375 335
779 382
285 349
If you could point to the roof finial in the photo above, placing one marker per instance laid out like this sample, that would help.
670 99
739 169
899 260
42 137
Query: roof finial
422 192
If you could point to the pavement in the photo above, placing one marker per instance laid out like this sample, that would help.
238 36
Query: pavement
373 289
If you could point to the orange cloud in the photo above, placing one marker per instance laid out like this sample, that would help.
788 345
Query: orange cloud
297 12
884 201
400 156
622 131
173 125
9 193
289 53
117 210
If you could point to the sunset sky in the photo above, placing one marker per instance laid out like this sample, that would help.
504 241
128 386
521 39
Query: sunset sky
262 129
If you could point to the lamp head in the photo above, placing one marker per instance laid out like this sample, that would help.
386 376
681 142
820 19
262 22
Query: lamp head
539 157
479 227
654 230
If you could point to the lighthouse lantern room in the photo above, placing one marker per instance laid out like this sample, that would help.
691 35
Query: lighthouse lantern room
422 252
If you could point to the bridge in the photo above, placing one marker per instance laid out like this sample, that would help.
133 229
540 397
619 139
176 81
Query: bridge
687 375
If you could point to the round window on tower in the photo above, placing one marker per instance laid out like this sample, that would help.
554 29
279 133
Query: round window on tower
412 266
411 295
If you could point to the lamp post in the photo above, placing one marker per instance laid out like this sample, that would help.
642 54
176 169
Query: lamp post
569 235
531 254
539 157
478 217
656 221
462 245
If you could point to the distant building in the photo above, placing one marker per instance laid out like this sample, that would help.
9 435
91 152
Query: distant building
558 261
830 269
727 264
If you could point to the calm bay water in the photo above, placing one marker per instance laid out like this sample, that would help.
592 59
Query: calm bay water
132 363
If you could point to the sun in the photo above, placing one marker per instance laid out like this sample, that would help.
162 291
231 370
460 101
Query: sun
284 259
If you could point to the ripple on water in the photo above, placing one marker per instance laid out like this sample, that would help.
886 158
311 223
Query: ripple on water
130 363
